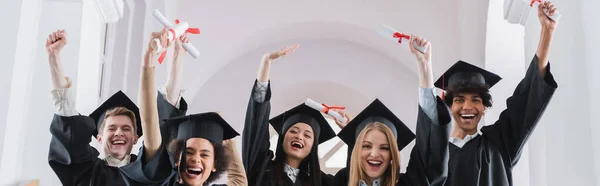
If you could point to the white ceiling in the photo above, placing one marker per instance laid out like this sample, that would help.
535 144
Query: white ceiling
333 35
342 60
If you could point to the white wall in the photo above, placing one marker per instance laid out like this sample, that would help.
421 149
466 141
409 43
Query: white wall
20 89
565 144
24 156
8 9
591 28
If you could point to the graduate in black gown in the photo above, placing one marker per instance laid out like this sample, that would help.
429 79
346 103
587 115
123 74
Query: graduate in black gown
198 153
429 157
71 157
375 138
487 158
301 129
199 148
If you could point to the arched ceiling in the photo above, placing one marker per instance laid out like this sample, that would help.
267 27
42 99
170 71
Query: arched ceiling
232 29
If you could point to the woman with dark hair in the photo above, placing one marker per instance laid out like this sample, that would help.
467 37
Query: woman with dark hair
301 129
199 140
226 158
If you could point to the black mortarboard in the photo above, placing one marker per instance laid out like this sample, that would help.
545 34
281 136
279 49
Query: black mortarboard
304 114
462 72
209 125
118 99
376 111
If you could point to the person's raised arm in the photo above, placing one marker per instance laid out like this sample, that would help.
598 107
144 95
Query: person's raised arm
54 44
63 102
548 26
174 79
147 97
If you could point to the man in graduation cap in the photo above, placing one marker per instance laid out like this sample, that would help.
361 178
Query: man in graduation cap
116 124
487 158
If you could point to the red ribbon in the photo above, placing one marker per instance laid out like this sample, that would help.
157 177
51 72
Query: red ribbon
400 36
533 1
327 108
188 31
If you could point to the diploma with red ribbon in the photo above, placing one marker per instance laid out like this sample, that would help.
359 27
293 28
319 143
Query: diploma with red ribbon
326 109
391 33
554 17
180 28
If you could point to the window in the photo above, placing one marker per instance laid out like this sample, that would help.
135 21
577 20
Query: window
106 35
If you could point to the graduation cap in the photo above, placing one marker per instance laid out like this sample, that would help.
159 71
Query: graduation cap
118 99
304 114
210 126
463 72
376 112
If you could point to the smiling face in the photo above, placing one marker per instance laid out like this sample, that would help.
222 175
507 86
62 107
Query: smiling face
199 161
298 141
467 110
118 133
375 154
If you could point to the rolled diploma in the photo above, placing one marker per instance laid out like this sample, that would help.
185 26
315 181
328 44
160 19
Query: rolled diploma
191 50
178 29
389 32
554 18
161 19
165 22
318 106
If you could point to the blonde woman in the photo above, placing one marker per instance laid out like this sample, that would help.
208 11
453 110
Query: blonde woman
376 136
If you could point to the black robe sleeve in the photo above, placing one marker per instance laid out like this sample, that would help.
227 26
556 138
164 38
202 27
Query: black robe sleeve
70 154
255 137
428 164
523 111
341 177
165 111
160 170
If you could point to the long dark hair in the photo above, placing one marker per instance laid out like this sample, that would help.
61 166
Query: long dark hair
175 148
310 171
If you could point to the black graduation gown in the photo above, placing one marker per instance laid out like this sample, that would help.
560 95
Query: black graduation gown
160 170
488 159
72 158
256 156
428 163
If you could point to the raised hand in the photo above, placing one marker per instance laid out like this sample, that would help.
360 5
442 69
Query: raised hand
162 36
423 61
283 52
264 71
56 41
338 122
179 50
549 8
423 58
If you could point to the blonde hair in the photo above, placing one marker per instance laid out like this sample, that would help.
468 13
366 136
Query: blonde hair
119 111
357 173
